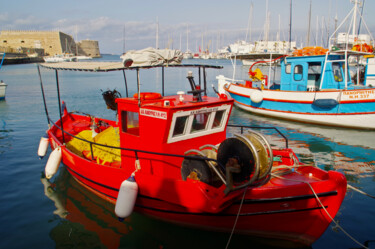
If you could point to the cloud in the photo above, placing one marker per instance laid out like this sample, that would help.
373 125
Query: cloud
138 34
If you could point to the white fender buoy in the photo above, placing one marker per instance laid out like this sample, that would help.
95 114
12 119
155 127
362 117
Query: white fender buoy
221 84
256 96
126 198
43 146
53 163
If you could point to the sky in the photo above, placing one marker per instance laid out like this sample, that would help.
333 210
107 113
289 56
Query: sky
130 25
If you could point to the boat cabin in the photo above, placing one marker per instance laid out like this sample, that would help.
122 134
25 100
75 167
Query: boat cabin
176 124
369 75
305 73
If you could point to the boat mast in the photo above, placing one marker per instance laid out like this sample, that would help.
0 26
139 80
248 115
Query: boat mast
354 19
76 41
157 33
317 31
249 23
123 40
308 28
360 20
266 25
290 26
187 38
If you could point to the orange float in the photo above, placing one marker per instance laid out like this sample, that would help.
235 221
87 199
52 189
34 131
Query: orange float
147 95
309 51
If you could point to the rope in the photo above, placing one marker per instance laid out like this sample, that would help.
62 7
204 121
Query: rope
321 204
360 191
235 222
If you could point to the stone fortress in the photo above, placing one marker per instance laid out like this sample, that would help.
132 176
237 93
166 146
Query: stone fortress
45 43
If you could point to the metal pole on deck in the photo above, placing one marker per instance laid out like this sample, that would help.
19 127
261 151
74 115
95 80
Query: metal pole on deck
204 81
138 88
58 97
44 98
162 79
199 73
126 83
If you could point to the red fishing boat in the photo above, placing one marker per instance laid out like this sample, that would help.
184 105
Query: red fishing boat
169 157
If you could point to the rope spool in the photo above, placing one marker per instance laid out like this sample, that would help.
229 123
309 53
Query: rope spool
201 170
251 153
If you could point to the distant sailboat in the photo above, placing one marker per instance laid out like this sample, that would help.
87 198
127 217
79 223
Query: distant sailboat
262 50
188 54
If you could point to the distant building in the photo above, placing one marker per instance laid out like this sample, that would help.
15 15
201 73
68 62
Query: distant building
88 48
52 42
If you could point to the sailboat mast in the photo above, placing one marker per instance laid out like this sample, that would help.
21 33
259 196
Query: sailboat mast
308 28
249 23
157 33
317 31
187 37
266 29
279 33
290 26
123 40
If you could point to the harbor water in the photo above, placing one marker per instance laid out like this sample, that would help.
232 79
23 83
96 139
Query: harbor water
59 213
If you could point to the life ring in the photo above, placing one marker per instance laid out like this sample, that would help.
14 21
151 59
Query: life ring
148 96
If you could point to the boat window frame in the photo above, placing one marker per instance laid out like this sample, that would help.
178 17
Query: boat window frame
298 66
198 124
288 68
125 121
337 67
177 122
210 128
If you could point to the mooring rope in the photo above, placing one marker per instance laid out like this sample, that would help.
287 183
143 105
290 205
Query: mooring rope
235 222
360 191
321 204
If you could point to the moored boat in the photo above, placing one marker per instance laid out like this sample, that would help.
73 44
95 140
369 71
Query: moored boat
59 58
312 89
3 86
189 172
316 86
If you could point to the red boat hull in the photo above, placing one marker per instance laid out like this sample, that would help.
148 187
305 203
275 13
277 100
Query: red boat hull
284 208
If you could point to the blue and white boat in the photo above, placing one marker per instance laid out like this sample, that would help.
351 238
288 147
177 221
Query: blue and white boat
313 89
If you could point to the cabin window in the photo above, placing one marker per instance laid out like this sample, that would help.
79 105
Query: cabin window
197 123
200 122
180 126
336 68
130 122
298 71
288 68
313 76
218 119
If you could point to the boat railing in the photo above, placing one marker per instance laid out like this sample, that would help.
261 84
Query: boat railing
243 127
136 151
228 181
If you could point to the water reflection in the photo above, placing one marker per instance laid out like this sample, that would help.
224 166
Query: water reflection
5 131
89 222
347 150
